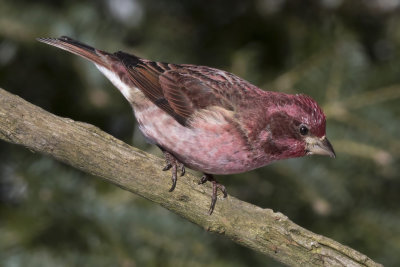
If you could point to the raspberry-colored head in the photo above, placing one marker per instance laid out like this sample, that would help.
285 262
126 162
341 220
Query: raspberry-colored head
296 127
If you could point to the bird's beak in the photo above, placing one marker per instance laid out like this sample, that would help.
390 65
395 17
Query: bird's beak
319 146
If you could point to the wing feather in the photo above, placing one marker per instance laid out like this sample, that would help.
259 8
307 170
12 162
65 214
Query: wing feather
181 90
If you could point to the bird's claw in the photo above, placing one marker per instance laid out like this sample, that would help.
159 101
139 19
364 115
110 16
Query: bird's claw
182 168
203 179
215 187
173 164
167 167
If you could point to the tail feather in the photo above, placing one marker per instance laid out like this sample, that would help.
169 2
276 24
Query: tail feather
78 48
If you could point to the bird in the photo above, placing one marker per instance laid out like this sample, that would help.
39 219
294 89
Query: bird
207 119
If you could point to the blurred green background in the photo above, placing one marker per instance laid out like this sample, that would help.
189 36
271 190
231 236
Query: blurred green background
345 54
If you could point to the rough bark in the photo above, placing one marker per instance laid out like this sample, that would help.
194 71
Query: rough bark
91 150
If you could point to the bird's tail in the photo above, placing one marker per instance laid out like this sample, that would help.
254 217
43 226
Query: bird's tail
78 48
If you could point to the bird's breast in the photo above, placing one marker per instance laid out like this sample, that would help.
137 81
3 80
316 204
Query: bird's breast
212 144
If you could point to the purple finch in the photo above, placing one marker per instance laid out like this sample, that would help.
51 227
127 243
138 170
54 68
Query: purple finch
208 119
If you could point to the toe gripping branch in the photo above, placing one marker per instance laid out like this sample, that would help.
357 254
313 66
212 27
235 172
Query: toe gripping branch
174 165
215 186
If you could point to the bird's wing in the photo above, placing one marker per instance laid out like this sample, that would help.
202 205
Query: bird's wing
187 92
181 90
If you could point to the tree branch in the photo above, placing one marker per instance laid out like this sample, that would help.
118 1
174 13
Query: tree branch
91 150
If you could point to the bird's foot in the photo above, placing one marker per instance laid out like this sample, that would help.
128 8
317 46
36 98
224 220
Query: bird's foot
173 164
215 186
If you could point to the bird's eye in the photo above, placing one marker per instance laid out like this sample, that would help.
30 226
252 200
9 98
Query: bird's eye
303 130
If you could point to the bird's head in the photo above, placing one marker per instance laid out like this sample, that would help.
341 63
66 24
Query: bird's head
296 127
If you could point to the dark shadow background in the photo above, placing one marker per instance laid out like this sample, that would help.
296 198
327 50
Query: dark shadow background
345 54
